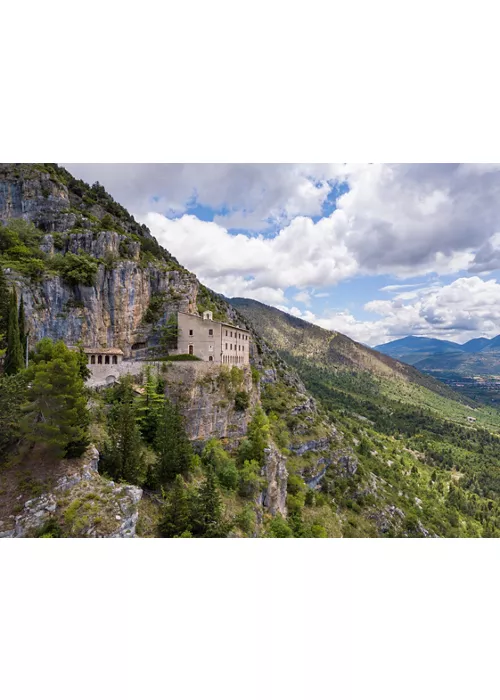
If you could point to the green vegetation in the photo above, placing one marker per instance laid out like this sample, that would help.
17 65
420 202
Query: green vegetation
171 445
13 362
55 414
210 301
123 458
76 270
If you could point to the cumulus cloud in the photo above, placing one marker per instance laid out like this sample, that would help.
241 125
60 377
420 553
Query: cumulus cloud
466 308
254 196
302 254
303 298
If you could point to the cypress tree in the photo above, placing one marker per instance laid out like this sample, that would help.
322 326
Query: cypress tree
150 408
172 445
14 354
176 516
123 459
4 309
56 413
21 320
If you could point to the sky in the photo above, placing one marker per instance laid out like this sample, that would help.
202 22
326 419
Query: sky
375 251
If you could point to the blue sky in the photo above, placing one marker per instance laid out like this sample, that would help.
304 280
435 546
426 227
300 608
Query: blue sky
371 250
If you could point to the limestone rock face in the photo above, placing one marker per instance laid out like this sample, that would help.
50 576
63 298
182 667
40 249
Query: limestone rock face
83 504
33 196
206 399
274 497
111 313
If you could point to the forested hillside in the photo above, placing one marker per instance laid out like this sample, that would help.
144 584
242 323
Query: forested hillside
436 456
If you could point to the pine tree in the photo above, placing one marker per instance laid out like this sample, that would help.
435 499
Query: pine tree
123 459
21 320
56 413
14 354
150 408
176 516
172 445
208 516
252 448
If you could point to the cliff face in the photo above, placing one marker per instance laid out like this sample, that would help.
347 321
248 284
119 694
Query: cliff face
34 196
206 394
111 312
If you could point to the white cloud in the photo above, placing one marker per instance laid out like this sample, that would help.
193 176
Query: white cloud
254 195
303 297
466 308
302 254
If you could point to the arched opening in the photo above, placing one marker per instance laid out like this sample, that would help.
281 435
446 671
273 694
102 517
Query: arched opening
99 359
210 358
92 359
191 350
115 359
106 360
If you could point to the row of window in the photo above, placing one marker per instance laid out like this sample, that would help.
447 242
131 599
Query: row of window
240 336
232 359
239 348
106 359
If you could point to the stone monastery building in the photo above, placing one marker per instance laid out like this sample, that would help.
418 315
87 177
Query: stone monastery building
212 341
201 336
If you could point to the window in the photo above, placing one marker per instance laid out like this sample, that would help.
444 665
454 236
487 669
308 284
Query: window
226 343
92 359
231 334
231 346
99 359
226 333
115 360
191 350
210 358
210 331
190 331
106 360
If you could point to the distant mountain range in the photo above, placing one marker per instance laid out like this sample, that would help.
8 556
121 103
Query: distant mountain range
476 357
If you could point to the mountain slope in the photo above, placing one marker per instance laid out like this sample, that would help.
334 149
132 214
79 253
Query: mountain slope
418 452
475 345
302 340
413 344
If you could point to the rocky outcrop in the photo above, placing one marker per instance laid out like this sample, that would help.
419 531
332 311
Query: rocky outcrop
206 397
81 504
389 518
275 472
110 313
33 195
311 446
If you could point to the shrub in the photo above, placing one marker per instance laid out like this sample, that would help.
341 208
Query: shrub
278 527
250 482
155 308
76 269
241 401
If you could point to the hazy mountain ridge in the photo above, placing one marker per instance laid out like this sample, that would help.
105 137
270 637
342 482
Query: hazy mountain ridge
479 356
